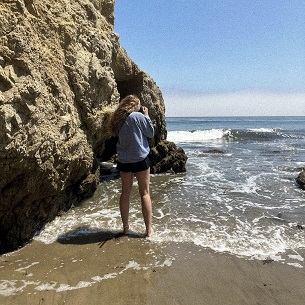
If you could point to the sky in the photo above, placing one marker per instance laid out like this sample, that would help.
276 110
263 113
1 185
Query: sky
219 57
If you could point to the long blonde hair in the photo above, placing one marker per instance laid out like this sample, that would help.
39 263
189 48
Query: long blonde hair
125 107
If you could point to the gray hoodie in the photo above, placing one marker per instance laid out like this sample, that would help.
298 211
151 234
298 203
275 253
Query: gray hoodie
133 144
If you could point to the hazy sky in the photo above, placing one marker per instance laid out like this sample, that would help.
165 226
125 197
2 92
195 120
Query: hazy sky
219 57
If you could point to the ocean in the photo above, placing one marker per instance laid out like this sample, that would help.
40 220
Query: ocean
238 195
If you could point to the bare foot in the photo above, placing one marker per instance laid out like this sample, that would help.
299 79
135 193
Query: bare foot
150 233
125 229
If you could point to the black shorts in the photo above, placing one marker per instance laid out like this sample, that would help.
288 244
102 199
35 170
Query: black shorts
134 167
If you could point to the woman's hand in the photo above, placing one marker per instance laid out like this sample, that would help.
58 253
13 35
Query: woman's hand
145 110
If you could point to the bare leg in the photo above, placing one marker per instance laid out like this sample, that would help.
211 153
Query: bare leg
127 180
143 182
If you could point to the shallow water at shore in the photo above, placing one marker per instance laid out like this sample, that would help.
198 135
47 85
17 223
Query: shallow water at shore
237 196
185 213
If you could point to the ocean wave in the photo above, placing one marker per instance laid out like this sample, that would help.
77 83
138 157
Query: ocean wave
198 136
264 130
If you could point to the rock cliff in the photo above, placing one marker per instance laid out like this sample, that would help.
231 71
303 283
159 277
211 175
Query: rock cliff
62 70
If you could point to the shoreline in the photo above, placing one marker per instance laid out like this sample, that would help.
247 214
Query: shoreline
133 270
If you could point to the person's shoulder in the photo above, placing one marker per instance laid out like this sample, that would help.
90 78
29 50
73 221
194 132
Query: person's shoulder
136 115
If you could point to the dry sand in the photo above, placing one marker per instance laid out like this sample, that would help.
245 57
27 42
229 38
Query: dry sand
129 270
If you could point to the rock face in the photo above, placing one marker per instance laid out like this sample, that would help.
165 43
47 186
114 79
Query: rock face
62 70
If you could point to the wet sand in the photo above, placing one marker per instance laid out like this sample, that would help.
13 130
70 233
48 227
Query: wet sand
96 269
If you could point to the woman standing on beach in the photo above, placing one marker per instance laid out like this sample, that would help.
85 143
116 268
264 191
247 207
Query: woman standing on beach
133 128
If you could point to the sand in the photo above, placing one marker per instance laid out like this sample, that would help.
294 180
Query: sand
95 270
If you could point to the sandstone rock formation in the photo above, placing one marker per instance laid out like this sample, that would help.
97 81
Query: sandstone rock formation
62 70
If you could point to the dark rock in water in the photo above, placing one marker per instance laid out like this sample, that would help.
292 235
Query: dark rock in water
214 151
166 157
62 72
301 179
